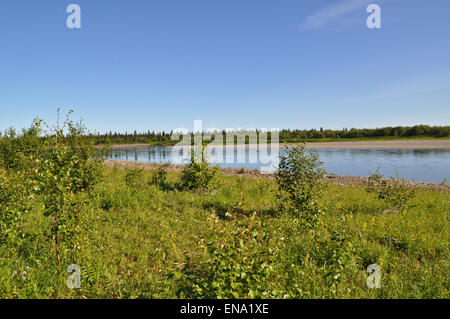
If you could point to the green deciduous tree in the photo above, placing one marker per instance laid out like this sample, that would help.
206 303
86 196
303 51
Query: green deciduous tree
299 180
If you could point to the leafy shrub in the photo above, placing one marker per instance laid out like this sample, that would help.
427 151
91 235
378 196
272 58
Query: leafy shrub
159 178
14 202
242 267
394 192
19 150
19 155
59 166
68 168
134 177
299 180
197 176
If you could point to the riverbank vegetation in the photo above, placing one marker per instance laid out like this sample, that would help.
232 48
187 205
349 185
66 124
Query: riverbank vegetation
201 234
290 136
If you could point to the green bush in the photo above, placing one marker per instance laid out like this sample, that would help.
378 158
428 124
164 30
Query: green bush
394 192
134 177
241 267
19 150
197 176
19 156
299 179
68 168
15 195
159 178
58 166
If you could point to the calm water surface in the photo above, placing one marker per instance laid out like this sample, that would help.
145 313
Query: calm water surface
430 165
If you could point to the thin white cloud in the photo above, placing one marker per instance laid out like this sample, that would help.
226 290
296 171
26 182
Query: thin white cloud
331 12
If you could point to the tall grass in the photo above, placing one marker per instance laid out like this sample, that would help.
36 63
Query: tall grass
148 242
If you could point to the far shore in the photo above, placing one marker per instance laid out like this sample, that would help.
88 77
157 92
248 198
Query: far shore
378 144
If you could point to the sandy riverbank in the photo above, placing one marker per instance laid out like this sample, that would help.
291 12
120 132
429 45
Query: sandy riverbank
386 144
404 144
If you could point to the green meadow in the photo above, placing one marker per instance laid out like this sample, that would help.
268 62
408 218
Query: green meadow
146 241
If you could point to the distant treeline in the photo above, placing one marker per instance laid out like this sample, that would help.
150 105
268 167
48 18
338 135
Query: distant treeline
288 136
398 131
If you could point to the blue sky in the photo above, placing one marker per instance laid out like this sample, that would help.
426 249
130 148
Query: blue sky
161 64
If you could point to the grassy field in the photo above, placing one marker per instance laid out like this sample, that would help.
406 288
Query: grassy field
146 242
